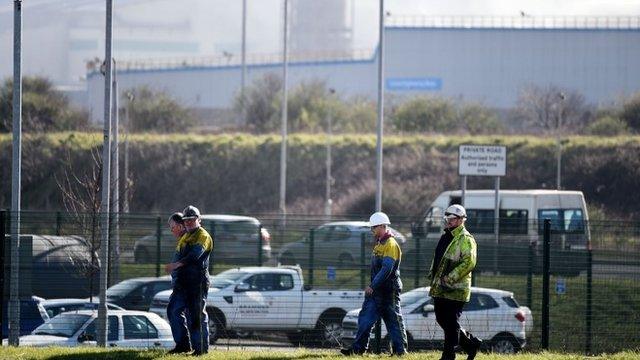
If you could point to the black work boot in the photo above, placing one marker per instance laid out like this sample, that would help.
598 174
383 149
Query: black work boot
470 344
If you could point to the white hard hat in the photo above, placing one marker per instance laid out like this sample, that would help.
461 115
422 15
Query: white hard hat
379 218
456 210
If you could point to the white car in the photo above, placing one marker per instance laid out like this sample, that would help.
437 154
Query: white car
492 315
267 299
127 329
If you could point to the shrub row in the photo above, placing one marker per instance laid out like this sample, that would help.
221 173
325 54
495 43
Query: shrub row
239 173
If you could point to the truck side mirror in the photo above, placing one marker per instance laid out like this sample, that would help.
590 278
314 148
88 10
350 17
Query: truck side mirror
426 309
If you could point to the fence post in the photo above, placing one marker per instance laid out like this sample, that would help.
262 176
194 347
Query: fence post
416 263
589 298
158 240
58 223
260 245
545 285
3 231
530 277
363 264
212 232
311 246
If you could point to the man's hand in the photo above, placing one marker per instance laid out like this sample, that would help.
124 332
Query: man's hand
444 282
172 266
368 291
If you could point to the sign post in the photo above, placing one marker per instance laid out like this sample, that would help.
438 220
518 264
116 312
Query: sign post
482 160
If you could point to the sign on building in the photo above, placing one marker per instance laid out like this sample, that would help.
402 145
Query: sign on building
482 160
428 83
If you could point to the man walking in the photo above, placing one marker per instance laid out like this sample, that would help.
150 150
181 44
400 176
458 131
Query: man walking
382 296
192 280
450 276
176 310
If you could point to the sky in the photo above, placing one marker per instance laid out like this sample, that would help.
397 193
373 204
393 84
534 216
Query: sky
215 24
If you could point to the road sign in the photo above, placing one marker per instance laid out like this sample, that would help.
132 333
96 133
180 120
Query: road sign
560 286
331 273
481 160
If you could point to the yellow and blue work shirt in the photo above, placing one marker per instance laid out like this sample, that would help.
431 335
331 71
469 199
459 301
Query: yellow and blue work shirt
193 252
385 266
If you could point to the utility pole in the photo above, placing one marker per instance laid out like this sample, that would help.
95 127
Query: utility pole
283 146
115 179
102 324
380 110
14 289
243 54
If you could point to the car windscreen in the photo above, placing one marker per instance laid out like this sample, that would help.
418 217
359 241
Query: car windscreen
62 325
226 278
121 289
413 297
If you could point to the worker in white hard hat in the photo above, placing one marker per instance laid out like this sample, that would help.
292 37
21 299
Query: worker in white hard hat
382 296
450 277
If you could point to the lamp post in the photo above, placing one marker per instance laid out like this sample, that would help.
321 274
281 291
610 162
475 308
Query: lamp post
380 109
329 203
283 146
561 96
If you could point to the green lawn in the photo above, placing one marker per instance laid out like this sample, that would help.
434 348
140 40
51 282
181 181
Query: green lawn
20 353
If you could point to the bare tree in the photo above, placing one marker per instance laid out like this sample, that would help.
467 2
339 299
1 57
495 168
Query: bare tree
553 109
81 199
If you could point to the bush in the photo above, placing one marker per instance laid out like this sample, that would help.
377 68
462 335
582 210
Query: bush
631 112
607 126
43 107
157 111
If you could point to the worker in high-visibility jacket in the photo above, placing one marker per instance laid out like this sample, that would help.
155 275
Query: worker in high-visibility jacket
450 277
382 296
192 281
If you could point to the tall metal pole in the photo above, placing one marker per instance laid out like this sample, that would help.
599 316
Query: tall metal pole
14 300
243 76
283 146
102 329
115 180
380 110
496 224
559 143
328 205
127 184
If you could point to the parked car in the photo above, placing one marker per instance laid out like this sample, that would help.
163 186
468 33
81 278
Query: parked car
267 299
492 315
56 266
335 244
32 315
137 293
128 329
235 238
54 307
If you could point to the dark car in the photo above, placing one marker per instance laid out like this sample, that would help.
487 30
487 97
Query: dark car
137 293
235 238
335 244
32 315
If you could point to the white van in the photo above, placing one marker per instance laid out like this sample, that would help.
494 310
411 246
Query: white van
522 214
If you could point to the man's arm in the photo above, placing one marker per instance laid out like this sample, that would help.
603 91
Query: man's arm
467 264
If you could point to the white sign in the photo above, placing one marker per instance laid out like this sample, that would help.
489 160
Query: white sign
481 160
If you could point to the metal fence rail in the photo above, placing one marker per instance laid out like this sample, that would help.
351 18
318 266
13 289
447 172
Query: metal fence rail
591 276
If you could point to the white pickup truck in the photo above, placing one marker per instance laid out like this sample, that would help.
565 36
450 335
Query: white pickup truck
273 299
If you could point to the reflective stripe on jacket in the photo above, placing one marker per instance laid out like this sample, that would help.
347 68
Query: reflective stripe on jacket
457 263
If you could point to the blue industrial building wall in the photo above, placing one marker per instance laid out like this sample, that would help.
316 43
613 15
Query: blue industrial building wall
490 65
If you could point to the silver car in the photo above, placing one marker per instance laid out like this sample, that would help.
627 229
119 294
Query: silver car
335 244
235 241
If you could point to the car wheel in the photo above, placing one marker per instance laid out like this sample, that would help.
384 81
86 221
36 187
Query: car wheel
141 255
328 331
216 326
505 344
287 259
